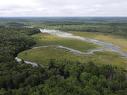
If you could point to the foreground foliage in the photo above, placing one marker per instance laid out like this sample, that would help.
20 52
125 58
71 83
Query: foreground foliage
62 78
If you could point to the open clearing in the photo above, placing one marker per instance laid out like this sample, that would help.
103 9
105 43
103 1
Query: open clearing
119 41
44 39
44 54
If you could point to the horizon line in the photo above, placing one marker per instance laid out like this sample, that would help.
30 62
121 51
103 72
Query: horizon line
58 16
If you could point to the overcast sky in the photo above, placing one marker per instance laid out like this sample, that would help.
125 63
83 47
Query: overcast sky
63 8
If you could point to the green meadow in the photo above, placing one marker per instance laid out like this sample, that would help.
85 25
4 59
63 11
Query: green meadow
44 54
117 40
46 39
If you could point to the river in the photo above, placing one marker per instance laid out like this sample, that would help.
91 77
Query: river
105 46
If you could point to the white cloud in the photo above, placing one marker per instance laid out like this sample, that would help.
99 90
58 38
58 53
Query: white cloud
63 7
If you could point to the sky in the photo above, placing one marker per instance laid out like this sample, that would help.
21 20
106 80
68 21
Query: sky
68 8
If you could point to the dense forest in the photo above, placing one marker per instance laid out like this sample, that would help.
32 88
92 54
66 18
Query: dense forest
107 28
57 77
110 25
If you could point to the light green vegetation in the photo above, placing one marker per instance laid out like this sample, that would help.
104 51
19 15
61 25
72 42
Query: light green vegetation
117 40
46 39
44 54
108 58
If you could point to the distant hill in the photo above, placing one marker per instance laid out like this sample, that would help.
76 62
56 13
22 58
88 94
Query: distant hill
66 19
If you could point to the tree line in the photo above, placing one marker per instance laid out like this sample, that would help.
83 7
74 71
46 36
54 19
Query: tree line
108 28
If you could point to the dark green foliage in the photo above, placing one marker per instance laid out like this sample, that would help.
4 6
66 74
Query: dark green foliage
111 28
14 40
62 78
15 24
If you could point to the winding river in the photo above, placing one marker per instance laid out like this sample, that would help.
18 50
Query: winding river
105 46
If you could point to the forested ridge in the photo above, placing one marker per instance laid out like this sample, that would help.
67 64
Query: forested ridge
107 28
56 78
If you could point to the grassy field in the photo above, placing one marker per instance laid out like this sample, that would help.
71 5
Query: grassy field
121 42
46 39
43 56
